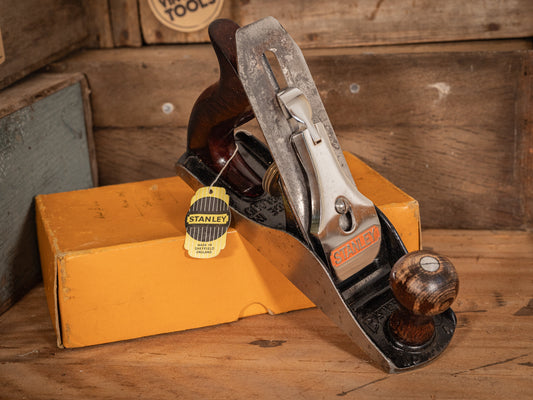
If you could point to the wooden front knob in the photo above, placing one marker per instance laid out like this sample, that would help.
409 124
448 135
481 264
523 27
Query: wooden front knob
425 284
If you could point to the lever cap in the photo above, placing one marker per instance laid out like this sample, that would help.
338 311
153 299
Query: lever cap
425 283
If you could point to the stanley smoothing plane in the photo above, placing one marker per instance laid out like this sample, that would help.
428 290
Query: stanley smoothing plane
297 203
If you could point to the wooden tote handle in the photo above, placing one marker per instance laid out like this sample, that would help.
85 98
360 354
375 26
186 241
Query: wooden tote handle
221 108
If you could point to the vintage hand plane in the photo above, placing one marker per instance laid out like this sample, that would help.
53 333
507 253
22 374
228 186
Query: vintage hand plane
297 203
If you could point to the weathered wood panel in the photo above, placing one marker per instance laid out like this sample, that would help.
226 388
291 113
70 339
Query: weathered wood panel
130 86
98 19
451 125
45 147
141 81
525 143
298 354
130 154
445 128
38 32
125 23
315 23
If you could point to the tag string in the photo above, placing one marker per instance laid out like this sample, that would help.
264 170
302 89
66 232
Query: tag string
224 167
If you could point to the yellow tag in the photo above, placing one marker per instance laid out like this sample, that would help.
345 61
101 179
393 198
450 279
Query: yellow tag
207 222
186 15
2 54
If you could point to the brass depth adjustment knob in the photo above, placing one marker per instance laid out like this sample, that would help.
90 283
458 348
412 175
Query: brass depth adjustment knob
425 284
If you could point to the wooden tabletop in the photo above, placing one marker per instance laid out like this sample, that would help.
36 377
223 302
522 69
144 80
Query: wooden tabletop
298 355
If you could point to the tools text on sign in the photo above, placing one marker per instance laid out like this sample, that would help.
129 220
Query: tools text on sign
179 10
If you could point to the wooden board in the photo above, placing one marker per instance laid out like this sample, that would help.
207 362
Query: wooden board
315 23
299 354
449 124
444 130
129 154
125 23
37 32
525 142
45 147
98 20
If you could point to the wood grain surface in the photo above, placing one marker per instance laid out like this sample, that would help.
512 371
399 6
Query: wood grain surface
125 23
449 124
98 20
299 354
135 154
315 23
38 32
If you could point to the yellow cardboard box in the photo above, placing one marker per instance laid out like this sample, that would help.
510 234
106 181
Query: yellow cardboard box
114 266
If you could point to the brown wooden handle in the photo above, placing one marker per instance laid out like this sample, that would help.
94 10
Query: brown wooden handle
218 111
425 284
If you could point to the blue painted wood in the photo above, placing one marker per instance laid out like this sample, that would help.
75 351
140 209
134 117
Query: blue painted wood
43 149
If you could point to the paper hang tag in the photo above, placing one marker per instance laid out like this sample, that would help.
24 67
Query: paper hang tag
207 222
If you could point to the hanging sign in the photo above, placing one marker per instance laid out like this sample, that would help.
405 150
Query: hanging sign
186 15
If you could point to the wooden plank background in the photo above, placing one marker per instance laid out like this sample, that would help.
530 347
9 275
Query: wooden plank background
450 124
337 23
298 355
125 23
98 20
38 32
